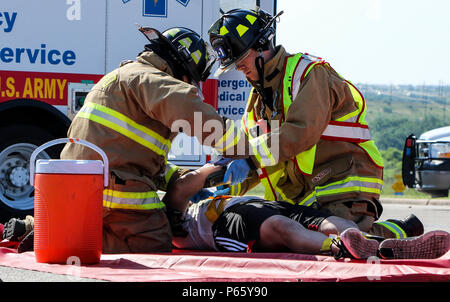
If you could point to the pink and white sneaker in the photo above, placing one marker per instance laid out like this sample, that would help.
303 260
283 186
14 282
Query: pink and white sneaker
430 245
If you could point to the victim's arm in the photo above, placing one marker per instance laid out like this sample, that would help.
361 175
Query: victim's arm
183 188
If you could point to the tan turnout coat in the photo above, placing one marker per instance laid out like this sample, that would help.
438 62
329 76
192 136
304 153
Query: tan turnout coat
143 94
323 96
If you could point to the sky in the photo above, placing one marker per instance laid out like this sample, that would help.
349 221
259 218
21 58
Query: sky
372 41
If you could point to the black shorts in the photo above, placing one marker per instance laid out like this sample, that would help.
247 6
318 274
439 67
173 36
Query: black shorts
239 225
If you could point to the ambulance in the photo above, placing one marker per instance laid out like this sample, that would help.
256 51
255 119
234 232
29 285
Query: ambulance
53 52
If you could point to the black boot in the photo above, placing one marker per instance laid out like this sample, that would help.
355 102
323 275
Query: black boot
412 226
27 243
14 229
176 222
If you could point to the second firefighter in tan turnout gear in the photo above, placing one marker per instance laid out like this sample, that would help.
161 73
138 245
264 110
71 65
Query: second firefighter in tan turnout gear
304 128
130 114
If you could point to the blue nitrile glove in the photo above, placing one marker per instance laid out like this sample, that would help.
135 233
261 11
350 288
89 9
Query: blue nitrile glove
222 190
237 170
200 195
223 161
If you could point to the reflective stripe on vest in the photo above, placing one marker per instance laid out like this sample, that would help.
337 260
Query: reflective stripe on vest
350 132
126 126
398 231
131 200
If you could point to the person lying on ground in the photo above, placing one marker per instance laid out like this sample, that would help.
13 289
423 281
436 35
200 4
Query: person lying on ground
252 224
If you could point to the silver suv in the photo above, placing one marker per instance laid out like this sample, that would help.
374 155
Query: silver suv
426 162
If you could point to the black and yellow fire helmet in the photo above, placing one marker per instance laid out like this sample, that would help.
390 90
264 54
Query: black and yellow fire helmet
239 30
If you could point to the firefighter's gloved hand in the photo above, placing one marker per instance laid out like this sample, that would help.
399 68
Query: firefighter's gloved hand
237 171
202 194
222 190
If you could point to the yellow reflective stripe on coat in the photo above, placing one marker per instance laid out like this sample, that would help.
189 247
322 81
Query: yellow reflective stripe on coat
131 200
168 172
125 126
351 184
266 157
235 190
230 138
308 200
398 231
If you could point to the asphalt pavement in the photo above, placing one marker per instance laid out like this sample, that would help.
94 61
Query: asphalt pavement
434 213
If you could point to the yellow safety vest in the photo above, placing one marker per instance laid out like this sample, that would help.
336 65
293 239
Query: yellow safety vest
350 128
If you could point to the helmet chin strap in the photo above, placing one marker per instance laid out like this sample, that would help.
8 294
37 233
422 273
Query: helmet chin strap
267 99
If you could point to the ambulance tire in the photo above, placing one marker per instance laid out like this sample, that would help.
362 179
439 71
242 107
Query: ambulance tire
17 142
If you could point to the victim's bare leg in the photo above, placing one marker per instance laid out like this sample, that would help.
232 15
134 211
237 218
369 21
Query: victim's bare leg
336 225
279 232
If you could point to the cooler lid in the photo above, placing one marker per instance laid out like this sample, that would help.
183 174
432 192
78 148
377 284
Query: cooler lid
69 166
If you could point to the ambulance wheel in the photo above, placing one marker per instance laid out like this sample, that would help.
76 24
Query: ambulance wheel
17 143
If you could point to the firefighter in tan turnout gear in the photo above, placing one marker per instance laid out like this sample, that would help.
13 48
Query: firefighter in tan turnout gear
304 127
132 113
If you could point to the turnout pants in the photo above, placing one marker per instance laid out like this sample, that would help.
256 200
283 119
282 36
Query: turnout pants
133 231
134 219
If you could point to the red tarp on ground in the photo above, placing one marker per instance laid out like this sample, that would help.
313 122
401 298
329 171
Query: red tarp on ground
222 267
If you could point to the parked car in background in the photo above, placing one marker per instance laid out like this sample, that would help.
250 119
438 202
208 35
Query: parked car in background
426 162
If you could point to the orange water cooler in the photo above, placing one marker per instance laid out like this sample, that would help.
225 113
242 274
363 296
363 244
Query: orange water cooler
68 202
